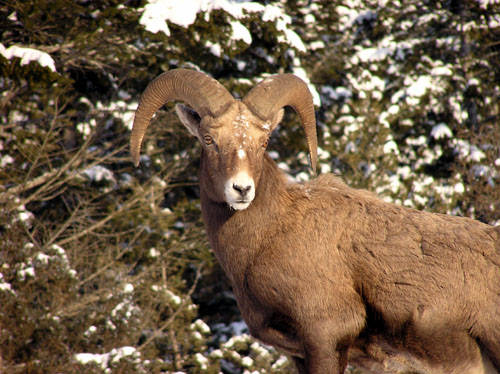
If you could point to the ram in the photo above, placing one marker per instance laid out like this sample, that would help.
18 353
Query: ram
322 271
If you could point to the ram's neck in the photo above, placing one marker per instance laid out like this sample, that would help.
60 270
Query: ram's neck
236 236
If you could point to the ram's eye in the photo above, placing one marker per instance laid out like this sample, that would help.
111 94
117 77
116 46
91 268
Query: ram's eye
208 139
264 144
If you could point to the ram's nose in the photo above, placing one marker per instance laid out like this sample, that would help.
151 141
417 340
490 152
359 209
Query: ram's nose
242 189
239 191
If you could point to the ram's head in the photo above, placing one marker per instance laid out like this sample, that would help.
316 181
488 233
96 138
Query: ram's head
233 133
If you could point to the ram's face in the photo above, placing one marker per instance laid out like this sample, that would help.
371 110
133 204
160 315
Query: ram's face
233 133
233 150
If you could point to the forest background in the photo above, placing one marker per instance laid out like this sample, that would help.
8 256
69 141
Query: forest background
105 267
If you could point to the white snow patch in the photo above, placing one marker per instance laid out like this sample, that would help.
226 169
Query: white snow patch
404 172
323 154
201 326
241 65
128 288
337 93
156 13
441 131
4 286
280 362
87 358
247 362
176 300
240 32
239 327
26 272
42 258
103 360
473 82
468 151
486 3
6 160
28 55
197 336
90 331
317 44
421 140
214 48
352 127
235 340
124 309
153 252
368 84
26 216
420 184
325 168
302 177
459 188
442 70
122 352
374 54
394 183
217 354
291 38
349 15
85 128
391 147
420 87
122 110
301 73
481 170
393 109
275 155
259 350
59 250
201 360
98 173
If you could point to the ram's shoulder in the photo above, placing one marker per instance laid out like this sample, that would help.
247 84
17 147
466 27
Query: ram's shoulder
333 185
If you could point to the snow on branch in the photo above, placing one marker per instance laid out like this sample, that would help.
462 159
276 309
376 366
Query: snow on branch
28 55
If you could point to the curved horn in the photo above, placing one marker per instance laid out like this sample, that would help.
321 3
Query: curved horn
201 92
277 91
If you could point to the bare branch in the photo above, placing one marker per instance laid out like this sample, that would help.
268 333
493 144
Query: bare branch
175 314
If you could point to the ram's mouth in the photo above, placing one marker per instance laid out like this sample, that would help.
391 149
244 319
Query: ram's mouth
239 204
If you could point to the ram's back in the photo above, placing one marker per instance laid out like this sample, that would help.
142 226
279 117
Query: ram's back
401 257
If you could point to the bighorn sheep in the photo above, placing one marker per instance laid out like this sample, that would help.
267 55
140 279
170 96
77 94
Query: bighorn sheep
318 268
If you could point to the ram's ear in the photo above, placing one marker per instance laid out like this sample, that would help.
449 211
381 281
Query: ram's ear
189 118
277 118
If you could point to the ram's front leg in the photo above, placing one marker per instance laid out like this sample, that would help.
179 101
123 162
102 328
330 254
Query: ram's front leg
268 327
327 337
329 366
327 362
326 352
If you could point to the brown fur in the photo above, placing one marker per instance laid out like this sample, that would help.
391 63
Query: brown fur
320 267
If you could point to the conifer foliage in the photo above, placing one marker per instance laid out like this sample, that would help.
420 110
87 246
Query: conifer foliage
105 268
